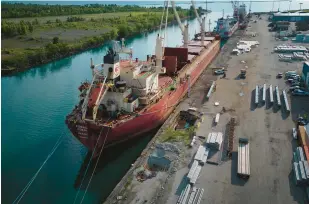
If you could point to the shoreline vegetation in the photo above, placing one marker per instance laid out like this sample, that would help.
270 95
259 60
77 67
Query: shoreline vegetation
34 35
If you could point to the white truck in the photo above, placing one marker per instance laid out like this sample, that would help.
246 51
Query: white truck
243 167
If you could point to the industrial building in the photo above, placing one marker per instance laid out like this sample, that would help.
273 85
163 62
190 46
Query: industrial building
305 73
291 17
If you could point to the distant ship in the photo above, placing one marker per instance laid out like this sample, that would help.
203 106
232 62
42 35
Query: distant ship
127 97
226 26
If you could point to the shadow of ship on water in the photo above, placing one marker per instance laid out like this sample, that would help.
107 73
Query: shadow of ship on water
114 162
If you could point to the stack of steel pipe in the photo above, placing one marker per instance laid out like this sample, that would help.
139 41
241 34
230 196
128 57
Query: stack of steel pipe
278 96
271 96
264 93
184 195
287 106
256 94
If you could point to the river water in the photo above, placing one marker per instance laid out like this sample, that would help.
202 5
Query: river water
34 106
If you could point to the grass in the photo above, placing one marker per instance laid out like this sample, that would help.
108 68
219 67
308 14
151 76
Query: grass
171 135
94 24
64 18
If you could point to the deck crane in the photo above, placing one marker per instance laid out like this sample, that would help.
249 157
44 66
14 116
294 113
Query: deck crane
201 21
184 28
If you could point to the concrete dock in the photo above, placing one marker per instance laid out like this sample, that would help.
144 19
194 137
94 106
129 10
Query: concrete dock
267 126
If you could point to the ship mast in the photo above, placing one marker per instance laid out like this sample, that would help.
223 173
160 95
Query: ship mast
159 48
184 29
201 21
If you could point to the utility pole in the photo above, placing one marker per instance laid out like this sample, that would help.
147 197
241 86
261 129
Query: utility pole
272 10
209 25
300 6
290 5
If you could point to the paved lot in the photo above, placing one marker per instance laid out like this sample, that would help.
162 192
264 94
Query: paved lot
267 127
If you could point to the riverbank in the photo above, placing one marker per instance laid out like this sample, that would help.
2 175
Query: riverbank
58 37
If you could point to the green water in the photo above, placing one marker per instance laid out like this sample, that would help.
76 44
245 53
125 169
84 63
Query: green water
34 106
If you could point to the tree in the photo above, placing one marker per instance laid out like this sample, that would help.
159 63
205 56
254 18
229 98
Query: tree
55 40
30 27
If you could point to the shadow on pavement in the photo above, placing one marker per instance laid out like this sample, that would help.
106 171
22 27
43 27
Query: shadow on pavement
268 104
253 105
299 106
182 185
298 193
235 180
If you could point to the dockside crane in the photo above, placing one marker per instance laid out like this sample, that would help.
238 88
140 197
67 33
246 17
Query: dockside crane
201 22
184 28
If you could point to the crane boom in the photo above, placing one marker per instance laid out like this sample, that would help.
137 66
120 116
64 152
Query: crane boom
196 13
177 17
184 29
201 21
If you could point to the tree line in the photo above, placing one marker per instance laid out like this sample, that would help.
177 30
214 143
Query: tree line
21 10
10 29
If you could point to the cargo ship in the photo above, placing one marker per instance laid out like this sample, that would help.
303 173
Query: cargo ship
129 97
226 27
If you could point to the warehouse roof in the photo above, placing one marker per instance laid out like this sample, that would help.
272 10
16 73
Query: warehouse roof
291 14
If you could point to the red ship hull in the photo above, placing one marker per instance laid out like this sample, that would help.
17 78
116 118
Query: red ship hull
148 120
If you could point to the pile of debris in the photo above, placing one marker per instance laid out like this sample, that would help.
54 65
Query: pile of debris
143 174
244 46
166 146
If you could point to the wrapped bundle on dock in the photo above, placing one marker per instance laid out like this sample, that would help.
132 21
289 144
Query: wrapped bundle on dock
192 195
184 195
296 173
196 174
302 172
295 157
300 154
205 156
306 167
200 153
192 169
198 196
214 140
